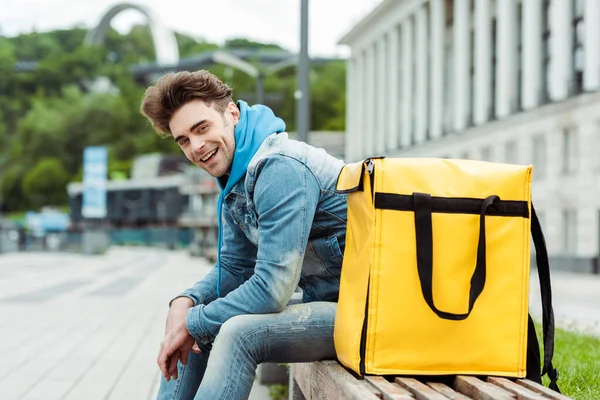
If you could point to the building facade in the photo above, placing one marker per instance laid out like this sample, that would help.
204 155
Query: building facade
513 81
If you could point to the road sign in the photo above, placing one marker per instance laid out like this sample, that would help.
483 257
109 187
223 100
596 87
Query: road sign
95 167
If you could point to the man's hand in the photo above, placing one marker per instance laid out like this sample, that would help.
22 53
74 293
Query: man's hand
176 345
177 312
177 316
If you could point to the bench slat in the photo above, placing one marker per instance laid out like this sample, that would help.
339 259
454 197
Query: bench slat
326 380
303 376
543 390
446 391
390 391
373 389
478 389
419 390
521 392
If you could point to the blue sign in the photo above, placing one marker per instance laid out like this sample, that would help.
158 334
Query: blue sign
95 169
46 221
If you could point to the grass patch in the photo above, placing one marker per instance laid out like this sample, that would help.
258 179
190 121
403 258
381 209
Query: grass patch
577 358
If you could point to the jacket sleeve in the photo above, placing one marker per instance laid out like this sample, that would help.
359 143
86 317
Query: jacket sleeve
238 257
286 197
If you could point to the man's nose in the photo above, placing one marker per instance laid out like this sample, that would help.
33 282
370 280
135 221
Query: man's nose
197 145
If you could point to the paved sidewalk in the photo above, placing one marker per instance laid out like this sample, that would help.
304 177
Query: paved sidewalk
575 298
82 328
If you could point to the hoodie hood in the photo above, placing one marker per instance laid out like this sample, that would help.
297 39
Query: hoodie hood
256 123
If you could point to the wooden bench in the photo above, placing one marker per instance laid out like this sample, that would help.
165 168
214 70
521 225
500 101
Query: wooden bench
328 380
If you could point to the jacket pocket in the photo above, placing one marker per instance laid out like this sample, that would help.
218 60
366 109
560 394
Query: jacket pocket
328 256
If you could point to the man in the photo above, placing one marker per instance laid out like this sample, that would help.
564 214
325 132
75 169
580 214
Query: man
281 225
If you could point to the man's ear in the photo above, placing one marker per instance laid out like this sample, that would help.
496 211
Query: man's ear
235 112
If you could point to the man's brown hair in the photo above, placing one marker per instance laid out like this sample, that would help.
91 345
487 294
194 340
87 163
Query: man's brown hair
174 90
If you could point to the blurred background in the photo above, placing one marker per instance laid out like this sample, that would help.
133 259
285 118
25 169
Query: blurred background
71 81
102 222
511 81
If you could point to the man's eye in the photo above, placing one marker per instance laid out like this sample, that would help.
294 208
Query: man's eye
202 128
183 141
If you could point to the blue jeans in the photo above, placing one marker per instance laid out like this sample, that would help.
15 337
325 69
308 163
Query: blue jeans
300 333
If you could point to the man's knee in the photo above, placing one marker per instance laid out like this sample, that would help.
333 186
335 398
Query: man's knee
241 330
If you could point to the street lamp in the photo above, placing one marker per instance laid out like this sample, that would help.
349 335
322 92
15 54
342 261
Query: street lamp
303 93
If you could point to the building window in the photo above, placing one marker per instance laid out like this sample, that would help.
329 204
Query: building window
578 46
547 53
518 101
400 92
492 109
471 108
448 87
511 152
539 157
569 232
570 158
486 154
415 51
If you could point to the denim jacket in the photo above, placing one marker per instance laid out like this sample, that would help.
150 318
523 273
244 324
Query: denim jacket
284 226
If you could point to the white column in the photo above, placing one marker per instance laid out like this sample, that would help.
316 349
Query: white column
561 37
483 62
437 10
393 79
351 115
533 58
422 50
591 47
462 63
370 106
407 82
361 121
382 88
506 74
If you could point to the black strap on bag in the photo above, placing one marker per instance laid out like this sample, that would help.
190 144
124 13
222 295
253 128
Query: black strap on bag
533 354
424 242
543 267
424 236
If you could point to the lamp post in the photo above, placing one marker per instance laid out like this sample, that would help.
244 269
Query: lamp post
303 92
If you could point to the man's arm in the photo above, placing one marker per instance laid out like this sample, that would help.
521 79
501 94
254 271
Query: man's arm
238 257
286 197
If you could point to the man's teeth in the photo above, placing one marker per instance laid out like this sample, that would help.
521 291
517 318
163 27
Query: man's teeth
209 155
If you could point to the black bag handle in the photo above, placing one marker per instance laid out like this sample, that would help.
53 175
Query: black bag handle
543 267
424 236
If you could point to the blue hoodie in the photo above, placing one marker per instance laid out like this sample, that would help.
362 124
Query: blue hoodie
255 124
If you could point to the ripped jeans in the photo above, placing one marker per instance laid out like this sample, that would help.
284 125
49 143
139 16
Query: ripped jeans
300 333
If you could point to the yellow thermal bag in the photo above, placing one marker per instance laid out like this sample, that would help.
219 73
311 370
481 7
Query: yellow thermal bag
435 277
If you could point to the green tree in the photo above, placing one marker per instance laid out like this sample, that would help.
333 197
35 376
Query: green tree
56 111
243 43
36 46
11 186
328 96
45 183
189 46
133 48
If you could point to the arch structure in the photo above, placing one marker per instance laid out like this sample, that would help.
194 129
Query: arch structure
165 42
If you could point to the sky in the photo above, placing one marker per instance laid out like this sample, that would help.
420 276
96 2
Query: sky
272 21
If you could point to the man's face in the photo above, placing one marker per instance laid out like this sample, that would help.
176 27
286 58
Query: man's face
205 135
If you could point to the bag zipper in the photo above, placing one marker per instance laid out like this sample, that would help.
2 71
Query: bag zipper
370 170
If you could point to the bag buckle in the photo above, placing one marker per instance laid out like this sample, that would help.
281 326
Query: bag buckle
370 166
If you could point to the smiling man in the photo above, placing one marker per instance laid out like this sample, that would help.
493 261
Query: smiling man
281 225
